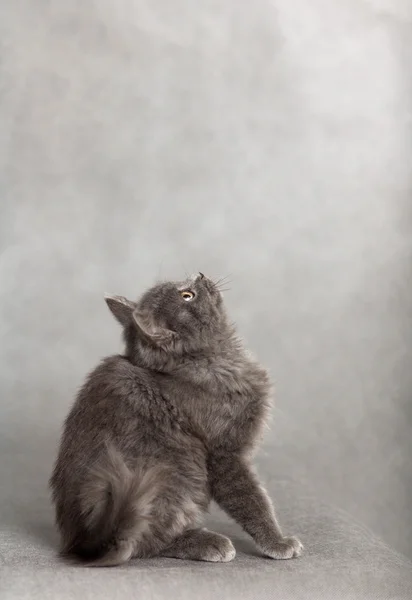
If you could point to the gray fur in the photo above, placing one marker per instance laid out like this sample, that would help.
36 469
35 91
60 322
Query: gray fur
155 434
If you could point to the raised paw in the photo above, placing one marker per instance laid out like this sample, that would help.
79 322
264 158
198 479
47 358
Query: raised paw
288 547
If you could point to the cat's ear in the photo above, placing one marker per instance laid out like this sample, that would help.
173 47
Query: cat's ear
155 334
121 308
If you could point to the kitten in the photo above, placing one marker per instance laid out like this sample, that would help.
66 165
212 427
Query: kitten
156 434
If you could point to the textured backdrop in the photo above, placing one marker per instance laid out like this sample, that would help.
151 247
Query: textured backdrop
268 140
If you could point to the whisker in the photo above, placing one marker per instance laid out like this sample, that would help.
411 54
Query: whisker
222 284
223 280
225 277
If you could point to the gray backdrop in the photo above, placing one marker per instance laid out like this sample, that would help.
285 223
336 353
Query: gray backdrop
268 140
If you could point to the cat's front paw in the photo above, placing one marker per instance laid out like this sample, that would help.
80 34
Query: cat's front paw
288 547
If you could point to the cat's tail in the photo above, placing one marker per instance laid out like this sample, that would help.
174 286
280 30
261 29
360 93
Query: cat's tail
116 504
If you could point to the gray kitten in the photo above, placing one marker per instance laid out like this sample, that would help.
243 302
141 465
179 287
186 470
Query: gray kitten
156 434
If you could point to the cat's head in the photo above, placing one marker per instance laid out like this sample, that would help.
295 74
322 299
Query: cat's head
175 317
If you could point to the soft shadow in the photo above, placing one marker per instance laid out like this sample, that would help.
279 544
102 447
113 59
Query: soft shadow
45 533
225 526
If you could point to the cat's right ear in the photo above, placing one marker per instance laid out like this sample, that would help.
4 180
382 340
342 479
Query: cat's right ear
121 308
152 332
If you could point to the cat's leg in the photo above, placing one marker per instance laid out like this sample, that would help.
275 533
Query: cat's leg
181 502
201 544
236 489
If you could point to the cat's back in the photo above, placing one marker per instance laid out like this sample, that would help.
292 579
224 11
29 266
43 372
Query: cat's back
113 386
115 377
107 407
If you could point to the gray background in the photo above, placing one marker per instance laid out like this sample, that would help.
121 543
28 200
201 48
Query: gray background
268 140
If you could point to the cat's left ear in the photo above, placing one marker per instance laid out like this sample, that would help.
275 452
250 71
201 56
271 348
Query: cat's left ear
153 333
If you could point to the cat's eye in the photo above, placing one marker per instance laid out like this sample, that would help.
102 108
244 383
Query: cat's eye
187 295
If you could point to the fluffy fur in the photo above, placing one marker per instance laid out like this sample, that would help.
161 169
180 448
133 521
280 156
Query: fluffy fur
157 433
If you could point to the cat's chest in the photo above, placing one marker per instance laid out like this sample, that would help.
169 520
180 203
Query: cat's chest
213 412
